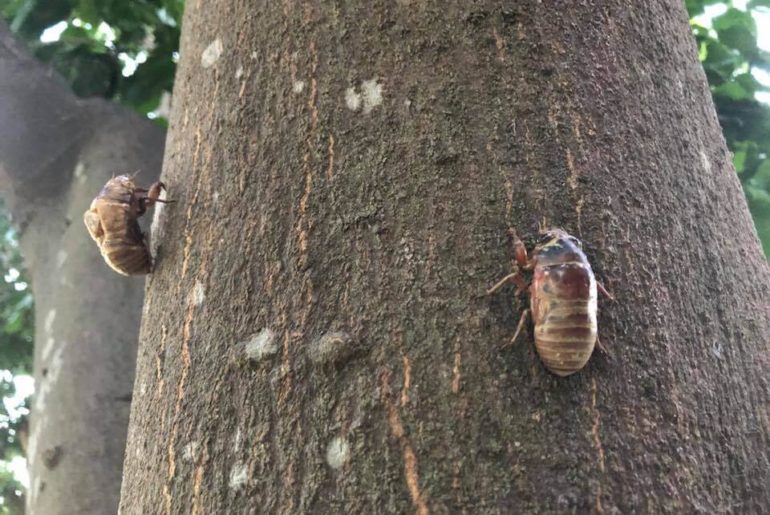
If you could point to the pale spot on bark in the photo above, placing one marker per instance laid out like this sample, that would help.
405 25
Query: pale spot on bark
372 94
61 257
199 293
48 347
47 384
80 173
157 228
331 347
705 161
237 440
37 426
49 318
298 86
352 99
239 72
261 345
190 451
34 491
239 475
337 453
369 97
212 53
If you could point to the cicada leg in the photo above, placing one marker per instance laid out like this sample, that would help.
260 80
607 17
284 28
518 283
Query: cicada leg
601 346
518 328
604 291
514 276
153 196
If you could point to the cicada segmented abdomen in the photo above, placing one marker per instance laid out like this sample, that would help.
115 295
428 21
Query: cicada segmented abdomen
564 311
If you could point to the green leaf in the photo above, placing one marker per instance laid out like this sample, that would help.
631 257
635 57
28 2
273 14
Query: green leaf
750 83
734 91
722 60
88 11
143 89
694 7
759 205
761 179
737 29
739 158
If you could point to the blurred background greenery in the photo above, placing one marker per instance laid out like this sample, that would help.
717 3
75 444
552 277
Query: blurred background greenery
127 51
736 58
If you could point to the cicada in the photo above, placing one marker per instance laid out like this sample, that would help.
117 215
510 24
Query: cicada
563 300
112 221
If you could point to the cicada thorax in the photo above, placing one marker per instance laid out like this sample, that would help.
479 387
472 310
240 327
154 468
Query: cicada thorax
122 244
563 303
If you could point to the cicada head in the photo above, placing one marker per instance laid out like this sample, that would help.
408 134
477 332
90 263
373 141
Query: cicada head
557 246
123 181
120 188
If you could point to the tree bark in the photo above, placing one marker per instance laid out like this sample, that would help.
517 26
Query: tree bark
56 152
317 337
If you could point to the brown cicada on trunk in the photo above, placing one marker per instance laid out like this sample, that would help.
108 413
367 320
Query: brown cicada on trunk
112 221
563 300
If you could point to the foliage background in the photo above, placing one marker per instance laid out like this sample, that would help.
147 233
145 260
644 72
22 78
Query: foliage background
126 51
738 71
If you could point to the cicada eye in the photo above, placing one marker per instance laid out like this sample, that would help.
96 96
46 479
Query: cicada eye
576 241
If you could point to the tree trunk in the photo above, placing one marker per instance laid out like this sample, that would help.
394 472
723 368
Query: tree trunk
317 337
56 152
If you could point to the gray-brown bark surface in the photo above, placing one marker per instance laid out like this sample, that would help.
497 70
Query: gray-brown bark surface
56 152
317 338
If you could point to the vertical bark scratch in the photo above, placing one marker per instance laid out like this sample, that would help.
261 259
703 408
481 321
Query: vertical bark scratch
508 200
188 233
500 44
158 364
579 213
330 169
572 180
410 459
198 482
456 373
573 173
186 361
302 223
243 84
407 380
597 443
431 258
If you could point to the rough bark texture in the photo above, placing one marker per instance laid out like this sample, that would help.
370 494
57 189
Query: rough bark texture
56 152
317 338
